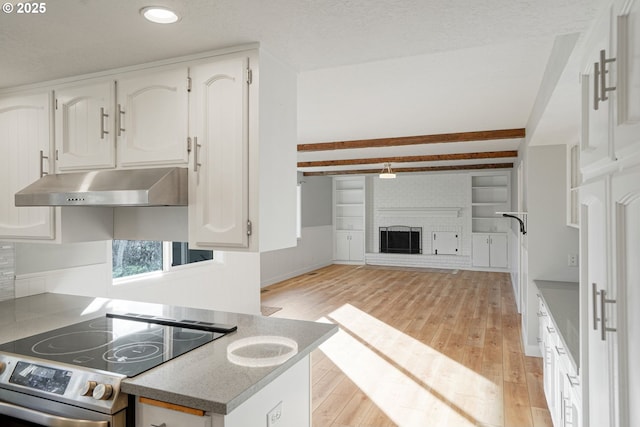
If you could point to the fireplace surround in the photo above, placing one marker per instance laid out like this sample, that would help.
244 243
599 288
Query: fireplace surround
400 239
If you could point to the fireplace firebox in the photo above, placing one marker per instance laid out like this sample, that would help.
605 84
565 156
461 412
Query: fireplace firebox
401 239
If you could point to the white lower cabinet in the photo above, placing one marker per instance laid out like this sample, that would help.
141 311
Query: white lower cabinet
490 250
349 246
151 415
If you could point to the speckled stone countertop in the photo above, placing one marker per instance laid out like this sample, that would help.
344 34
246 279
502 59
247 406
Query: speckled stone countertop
203 378
563 301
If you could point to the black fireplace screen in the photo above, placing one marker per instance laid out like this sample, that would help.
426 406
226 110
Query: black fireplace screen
401 239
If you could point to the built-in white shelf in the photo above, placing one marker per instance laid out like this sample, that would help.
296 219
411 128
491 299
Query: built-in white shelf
420 212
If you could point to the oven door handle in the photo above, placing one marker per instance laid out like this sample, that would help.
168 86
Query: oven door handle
48 420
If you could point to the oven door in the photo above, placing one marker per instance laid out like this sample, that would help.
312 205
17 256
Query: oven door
18 410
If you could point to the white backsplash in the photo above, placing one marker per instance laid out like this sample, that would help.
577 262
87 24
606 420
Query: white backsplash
7 271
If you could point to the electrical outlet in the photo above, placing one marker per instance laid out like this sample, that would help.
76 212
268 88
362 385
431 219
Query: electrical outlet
274 415
573 260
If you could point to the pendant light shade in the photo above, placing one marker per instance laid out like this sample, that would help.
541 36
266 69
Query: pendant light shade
386 172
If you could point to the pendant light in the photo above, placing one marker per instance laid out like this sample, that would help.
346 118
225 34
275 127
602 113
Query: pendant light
386 172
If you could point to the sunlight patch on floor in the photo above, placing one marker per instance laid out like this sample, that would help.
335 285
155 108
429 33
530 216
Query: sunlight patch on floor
411 382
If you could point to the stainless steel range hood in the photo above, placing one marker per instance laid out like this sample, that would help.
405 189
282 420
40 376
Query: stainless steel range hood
138 187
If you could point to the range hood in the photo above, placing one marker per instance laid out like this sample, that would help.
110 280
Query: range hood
137 187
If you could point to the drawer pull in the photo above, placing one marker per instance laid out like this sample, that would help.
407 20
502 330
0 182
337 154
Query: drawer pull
573 381
560 351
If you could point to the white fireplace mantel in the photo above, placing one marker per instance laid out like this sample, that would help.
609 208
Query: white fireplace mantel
419 212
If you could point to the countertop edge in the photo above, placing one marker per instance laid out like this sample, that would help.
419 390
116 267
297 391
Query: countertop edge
221 408
542 284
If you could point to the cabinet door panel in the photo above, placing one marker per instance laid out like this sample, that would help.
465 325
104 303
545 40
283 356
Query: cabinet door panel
154 120
594 255
218 189
342 246
595 144
24 132
627 231
356 246
498 251
627 64
84 136
480 250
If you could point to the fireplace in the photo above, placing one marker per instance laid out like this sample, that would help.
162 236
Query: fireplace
401 239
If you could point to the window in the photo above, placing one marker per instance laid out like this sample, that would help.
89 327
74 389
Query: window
134 257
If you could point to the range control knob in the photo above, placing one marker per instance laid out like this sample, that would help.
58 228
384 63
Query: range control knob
2 366
87 388
103 392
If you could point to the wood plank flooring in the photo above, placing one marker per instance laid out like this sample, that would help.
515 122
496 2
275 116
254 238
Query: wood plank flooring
416 347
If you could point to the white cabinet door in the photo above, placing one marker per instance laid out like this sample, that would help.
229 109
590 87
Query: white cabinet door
84 127
480 250
598 360
152 122
498 250
342 249
626 51
218 178
356 246
595 145
626 197
25 135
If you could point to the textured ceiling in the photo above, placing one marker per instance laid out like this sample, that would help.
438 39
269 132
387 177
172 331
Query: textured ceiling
79 36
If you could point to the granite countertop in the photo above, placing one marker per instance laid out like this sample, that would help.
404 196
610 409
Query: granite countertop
562 299
203 378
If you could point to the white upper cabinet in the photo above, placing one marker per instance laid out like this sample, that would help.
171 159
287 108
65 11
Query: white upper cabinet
152 119
218 178
25 142
84 118
596 148
626 51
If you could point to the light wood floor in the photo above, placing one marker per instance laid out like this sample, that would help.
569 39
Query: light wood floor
416 347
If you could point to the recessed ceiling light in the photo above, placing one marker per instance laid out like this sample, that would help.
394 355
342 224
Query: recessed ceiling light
159 15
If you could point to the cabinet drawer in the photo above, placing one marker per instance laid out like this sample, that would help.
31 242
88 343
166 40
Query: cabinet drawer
153 414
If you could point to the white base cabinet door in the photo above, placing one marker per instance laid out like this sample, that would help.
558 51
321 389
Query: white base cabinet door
25 143
349 246
490 250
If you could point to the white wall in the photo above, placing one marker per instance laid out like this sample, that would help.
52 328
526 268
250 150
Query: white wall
314 250
7 271
549 239
229 283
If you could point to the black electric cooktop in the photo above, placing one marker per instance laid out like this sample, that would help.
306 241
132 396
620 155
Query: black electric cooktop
113 344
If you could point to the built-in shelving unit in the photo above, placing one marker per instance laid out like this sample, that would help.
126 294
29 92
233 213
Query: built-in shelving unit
489 194
349 218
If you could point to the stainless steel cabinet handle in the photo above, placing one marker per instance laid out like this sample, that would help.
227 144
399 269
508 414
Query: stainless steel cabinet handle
594 303
42 159
596 81
603 75
119 118
102 117
159 425
196 150
603 301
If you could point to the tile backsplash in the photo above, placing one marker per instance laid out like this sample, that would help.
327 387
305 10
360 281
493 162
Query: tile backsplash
7 271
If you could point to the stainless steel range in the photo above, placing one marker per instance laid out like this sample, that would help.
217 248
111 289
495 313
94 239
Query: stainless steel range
71 376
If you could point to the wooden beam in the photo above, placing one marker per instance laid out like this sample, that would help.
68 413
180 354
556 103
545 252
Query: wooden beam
417 169
405 159
486 135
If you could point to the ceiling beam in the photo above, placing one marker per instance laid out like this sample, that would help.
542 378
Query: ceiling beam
406 159
416 169
486 135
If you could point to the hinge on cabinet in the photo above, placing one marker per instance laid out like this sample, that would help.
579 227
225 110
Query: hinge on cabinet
188 144
248 227
249 76
188 84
